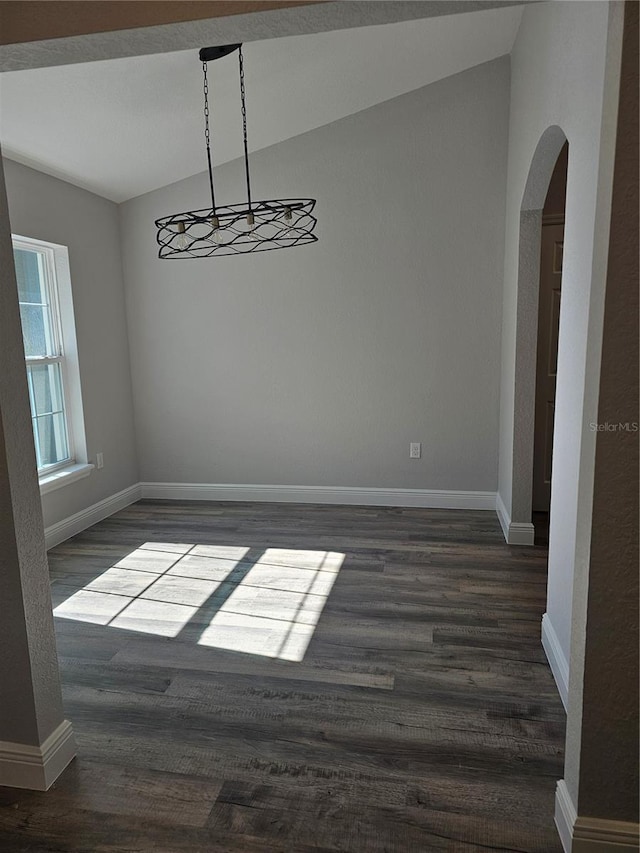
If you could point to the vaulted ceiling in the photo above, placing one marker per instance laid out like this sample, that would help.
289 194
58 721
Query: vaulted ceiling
122 127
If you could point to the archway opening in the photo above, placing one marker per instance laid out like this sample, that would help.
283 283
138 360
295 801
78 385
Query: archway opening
537 188
549 297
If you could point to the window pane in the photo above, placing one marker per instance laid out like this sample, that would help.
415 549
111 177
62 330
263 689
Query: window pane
46 388
35 311
51 437
34 332
29 275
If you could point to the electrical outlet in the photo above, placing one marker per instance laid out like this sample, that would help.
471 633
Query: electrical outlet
99 461
415 450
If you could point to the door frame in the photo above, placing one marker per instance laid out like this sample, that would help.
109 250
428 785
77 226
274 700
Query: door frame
548 220
535 192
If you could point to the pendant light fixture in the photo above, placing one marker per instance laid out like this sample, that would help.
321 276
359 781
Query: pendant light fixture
251 226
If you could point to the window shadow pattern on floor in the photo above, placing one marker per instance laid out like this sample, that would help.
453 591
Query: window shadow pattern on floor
256 601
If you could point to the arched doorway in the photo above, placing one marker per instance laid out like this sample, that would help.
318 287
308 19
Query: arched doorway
531 214
549 298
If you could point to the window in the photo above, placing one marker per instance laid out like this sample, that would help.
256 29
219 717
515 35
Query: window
46 312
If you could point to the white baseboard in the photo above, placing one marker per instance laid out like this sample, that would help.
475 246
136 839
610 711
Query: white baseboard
426 498
57 533
565 815
520 533
515 532
589 834
503 517
596 835
37 767
423 498
557 659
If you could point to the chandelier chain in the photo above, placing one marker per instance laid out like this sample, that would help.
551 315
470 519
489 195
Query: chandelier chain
244 125
207 134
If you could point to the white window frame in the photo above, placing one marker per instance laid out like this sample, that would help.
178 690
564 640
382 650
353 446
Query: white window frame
57 285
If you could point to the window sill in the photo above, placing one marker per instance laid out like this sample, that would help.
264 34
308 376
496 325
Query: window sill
64 477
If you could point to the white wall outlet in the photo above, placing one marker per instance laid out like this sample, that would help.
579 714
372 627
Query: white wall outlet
99 461
415 450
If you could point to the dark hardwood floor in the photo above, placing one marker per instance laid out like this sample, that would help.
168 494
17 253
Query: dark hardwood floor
421 717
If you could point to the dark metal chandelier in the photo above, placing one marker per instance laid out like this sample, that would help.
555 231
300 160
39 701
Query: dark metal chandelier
251 226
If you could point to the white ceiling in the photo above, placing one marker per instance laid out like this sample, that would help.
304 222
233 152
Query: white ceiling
123 127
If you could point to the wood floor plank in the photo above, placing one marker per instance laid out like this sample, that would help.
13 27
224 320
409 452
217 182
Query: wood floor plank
182 656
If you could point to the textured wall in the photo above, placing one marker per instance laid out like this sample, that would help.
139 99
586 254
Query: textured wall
48 209
318 366
44 21
608 783
268 23
30 700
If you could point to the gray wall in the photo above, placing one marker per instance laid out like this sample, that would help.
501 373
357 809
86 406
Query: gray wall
318 366
46 208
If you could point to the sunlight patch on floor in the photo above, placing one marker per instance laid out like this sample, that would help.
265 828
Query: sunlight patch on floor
227 598
275 610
